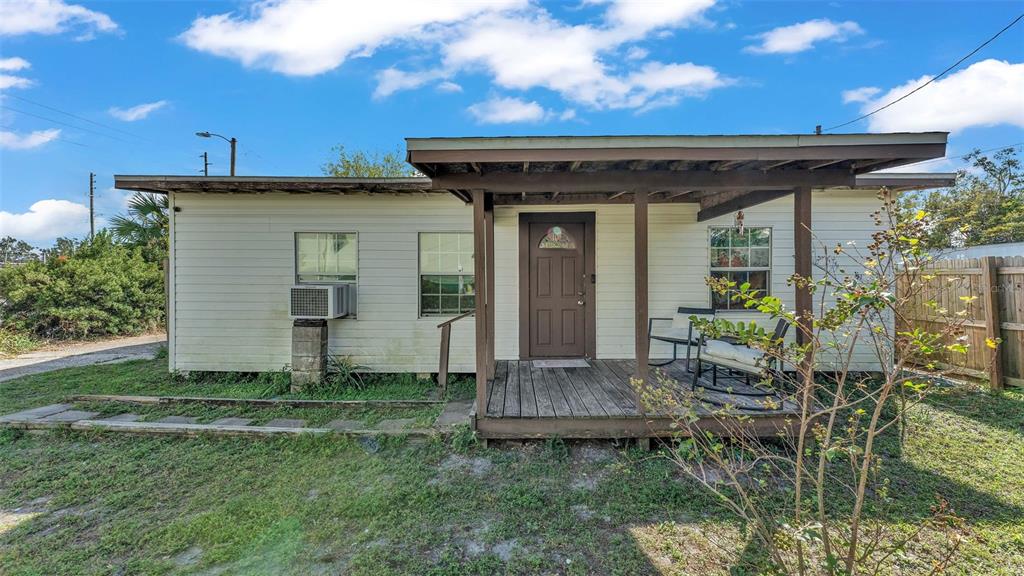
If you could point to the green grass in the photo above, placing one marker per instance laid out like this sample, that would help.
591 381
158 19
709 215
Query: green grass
13 343
117 504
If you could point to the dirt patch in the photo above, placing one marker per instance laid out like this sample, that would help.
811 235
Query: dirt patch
593 452
188 557
588 480
477 466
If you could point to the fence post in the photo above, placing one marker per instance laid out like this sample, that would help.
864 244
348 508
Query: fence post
993 330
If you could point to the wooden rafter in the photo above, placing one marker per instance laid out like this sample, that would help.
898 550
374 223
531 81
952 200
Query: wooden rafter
777 165
618 180
617 195
575 165
721 204
824 164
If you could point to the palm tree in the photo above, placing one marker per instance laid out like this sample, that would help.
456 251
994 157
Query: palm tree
146 221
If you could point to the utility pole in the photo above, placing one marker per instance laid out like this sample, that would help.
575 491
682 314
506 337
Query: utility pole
233 143
92 213
206 164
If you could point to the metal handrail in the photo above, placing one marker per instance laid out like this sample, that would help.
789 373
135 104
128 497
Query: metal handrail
446 337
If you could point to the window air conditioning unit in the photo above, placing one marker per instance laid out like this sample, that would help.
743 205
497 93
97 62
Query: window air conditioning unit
322 302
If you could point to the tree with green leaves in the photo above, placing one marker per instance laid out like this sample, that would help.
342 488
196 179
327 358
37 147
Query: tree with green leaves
145 225
360 164
984 206
13 250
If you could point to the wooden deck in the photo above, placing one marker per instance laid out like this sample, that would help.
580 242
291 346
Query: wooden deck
525 401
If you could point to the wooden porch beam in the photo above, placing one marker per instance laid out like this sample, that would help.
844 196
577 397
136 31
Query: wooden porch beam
558 198
489 285
618 180
640 284
742 201
480 275
802 260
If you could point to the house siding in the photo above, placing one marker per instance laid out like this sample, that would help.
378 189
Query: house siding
233 262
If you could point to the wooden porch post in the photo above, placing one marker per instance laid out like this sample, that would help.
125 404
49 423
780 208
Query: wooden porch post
640 287
480 278
489 216
802 260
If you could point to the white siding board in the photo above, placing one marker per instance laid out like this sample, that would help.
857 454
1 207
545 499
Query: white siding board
232 263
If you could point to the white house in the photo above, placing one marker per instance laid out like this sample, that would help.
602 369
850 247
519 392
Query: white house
578 241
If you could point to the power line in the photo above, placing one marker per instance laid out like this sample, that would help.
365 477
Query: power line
6 107
940 75
82 118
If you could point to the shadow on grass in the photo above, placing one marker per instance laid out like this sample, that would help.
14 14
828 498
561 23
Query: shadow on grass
1004 410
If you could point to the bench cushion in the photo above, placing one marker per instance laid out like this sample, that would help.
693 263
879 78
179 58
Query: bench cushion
731 354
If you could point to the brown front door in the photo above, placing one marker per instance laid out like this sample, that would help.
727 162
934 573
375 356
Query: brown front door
559 285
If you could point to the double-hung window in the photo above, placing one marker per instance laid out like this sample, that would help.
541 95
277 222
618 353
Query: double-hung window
740 257
326 257
446 273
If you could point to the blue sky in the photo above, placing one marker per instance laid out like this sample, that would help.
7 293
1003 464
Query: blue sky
292 79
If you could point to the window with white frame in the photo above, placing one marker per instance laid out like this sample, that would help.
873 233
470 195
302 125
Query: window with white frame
740 256
326 257
446 273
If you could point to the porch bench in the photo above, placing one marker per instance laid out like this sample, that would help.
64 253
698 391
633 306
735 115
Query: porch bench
738 358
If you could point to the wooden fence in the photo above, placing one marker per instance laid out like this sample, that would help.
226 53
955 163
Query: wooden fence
996 313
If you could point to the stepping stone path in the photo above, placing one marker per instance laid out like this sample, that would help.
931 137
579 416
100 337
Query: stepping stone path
285 423
69 416
231 422
178 420
64 415
396 424
346 425
455 414
36 413
129 417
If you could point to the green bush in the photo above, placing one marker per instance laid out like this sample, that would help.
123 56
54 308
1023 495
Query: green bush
97 288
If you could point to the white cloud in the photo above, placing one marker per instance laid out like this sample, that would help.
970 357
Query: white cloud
636 53
19 17
567 114
13 64
46 220
301 38
12 81
517 43
529 50
391 80
15 141
986 93
136 112
803 36
449 86
507 111
862 94
642 17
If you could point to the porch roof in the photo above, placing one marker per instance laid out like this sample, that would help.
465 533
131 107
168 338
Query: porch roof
834 159
162 184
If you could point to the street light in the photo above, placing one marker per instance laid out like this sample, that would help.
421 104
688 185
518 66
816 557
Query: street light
231 141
